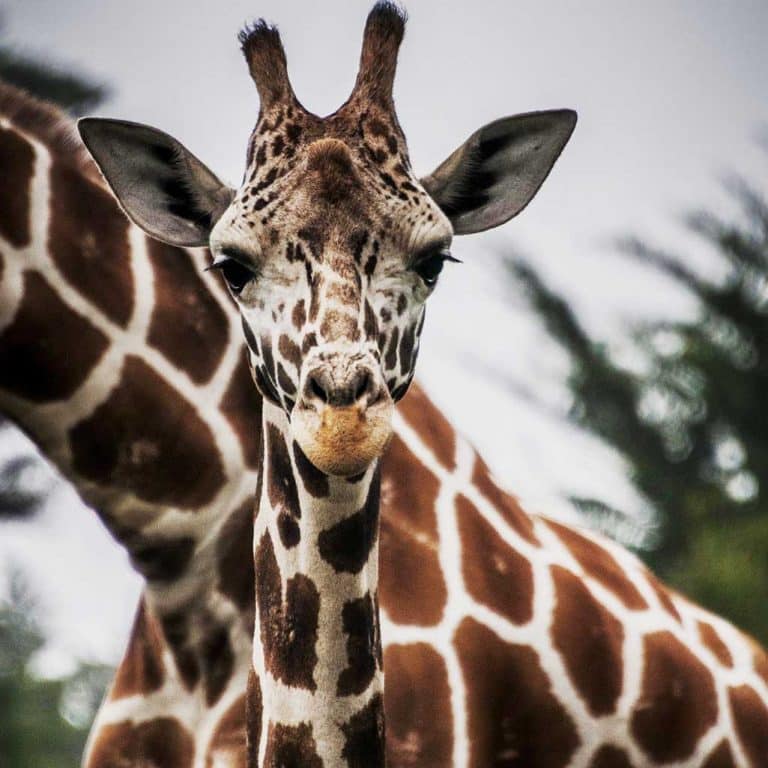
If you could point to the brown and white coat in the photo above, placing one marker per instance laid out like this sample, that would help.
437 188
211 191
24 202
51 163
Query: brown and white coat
508 639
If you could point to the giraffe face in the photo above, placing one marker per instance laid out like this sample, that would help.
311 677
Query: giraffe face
331 248
331 245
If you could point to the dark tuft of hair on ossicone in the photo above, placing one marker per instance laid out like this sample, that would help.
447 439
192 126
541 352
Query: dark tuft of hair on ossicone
264 52
384 31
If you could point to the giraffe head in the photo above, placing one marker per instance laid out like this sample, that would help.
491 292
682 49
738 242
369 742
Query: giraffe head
331 245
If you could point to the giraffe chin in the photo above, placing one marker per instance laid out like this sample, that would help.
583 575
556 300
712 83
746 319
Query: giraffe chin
343 441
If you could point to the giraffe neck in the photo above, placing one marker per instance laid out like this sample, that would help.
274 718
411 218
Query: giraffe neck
121 363
317 669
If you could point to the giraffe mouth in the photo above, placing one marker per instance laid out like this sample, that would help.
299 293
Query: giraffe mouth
345 440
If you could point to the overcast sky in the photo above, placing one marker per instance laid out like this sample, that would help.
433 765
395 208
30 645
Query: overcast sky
671 96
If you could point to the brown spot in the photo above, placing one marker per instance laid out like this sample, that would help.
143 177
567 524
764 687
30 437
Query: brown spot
600 565
412 587
665 597
760 658
315 283
299 315
714 643
406 350
283 494
589 639
289 350
370 266
431 426
288 628
678 701
720 757
315 482
168 455
234 556
750 716
357 240
17 159
505 504
253 714
347 544
241 406
291 746
364 736
159 742
506 728
310 341
49 350
360 625
370 326
188 326
288 528
417 702
411 490
411 581
495 574
390 358
609 756
176 630
227 745
141 670
284 381
218 661
160 560
88 241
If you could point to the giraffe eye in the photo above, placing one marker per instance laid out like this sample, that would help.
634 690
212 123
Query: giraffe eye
429 267
236 274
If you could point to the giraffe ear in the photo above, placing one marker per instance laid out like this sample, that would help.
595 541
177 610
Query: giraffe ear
162 186
497 171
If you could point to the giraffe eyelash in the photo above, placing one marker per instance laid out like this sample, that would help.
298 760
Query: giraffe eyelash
429 264
235 269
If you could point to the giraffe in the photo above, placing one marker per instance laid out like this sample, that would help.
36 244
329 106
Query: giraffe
509 639
514 640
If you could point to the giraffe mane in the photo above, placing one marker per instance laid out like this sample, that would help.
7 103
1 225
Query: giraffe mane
48 124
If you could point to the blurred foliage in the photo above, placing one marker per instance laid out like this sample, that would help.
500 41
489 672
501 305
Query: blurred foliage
686 410
73 92
19 496
44 722
25 481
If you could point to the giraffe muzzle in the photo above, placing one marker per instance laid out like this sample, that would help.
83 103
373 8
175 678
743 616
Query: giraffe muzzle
343 419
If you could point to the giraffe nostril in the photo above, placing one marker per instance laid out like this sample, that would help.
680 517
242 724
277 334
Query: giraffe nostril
340 391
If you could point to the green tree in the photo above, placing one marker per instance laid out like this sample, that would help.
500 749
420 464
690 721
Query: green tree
44 722
690 420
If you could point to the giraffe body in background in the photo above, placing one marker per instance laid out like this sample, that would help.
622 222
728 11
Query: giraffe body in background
508 639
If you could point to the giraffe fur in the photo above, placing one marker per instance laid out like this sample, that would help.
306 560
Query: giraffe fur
495 622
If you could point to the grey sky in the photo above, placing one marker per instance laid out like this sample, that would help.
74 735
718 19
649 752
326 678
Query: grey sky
670 96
